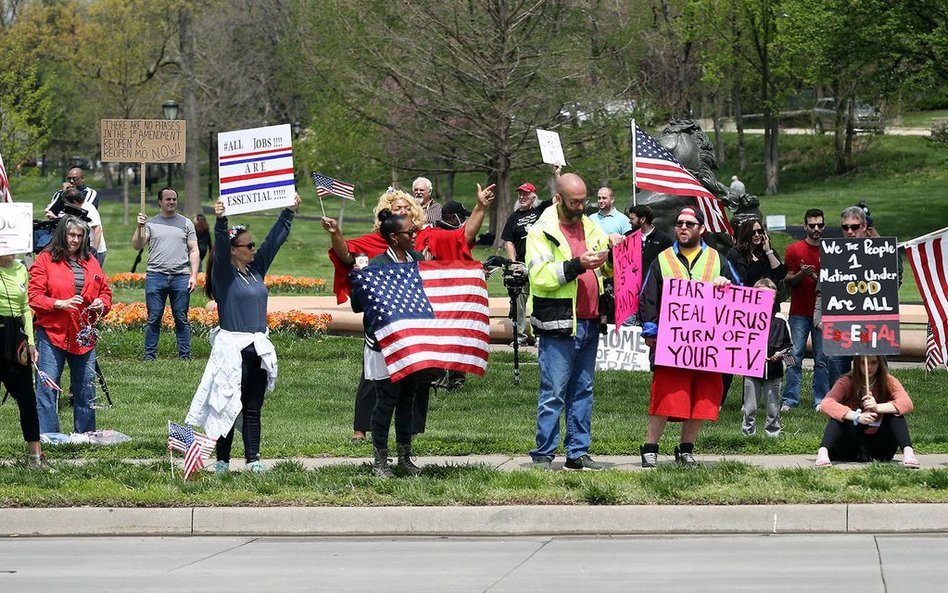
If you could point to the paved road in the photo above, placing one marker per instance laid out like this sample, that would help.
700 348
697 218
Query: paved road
863 563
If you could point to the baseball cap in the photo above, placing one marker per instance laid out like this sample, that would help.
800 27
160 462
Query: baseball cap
528 187
452 207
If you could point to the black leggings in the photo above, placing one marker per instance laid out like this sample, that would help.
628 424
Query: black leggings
364 404
18 379
850 443
253 385
393 398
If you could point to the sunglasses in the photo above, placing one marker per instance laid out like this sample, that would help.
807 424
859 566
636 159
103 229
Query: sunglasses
72 179
685 224
760 232
815 225
251 246
409 233
851 227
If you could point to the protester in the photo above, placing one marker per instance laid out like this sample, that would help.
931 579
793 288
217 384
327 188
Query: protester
866 425
609 219
75 179
680 395
390 398
173 257
202 231
752 259
72 197
768 386
565 251
654 240
68 293
421 189
803 269
19 352
242 366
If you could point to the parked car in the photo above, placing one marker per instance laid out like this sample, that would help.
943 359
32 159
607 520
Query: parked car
867 118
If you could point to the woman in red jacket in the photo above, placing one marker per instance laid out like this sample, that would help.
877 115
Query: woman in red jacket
68 292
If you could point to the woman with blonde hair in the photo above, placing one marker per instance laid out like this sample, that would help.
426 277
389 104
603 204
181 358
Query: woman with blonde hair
867 408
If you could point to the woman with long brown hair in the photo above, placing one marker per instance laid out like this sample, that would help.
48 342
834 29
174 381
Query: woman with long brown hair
867 408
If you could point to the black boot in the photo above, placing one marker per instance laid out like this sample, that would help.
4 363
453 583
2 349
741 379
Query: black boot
404 459
380 467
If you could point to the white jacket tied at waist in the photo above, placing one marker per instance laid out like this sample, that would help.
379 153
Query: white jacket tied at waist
216 403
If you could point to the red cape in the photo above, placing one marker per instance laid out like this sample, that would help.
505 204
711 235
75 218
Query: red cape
443 244
372 244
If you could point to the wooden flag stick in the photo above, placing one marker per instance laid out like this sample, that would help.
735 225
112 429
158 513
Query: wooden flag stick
865 371
141 179
171 459
321 207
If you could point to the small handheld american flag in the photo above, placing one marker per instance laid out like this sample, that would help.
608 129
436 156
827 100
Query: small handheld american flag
326 186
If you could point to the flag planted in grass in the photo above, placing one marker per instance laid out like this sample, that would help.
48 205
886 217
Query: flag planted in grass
429 314
195 446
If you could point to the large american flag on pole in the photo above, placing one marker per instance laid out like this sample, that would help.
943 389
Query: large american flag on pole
429 314
658 170
926 255
195 446
326 186
5 195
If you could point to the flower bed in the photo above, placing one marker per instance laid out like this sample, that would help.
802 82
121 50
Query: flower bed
277 283
298 323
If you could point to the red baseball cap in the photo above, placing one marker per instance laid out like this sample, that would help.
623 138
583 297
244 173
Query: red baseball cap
528 187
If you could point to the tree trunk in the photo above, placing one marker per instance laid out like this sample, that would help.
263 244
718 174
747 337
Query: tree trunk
502 207
192 169
771 151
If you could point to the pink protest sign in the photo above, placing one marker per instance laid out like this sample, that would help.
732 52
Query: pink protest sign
719 329
627 262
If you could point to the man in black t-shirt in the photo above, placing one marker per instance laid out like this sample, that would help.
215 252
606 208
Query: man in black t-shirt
514 236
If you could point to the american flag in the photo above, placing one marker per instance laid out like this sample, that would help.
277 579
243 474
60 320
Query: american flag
429 314
927 257
326 186
658 170
195 446
5 195
934 357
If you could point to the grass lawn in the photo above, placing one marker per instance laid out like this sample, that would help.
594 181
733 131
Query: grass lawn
310 415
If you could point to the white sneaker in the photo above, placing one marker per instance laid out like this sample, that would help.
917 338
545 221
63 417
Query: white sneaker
823 458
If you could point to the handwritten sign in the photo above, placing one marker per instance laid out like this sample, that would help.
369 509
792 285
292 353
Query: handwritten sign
256 169
719 329
550 147
622 350
143 140
16 227
627 259
859 280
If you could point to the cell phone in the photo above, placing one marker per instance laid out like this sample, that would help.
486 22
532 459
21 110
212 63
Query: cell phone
603 253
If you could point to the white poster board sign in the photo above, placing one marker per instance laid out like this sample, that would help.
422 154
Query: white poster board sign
624 350
550 147
16 227
256 169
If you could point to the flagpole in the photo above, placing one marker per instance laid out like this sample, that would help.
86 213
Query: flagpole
321 207
632 123
923 238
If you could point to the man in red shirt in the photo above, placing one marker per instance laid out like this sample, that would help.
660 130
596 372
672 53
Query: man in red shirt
803 269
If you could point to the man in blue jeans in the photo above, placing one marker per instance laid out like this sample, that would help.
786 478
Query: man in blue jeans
564 253
803 268
173 258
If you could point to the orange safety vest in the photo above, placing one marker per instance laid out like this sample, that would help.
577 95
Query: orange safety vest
706 268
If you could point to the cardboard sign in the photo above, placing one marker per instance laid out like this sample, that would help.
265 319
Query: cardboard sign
143 140
859 284
622 350
550 148
256 169
627 262
706 328
16 227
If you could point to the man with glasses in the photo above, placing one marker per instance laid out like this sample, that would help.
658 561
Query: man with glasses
75 179
802 259
680 395
173 258
565 254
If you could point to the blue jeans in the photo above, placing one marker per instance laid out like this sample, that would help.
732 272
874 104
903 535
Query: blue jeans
158 288
800 328
567 370
52 360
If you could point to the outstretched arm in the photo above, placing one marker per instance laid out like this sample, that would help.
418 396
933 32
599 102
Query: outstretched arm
473 225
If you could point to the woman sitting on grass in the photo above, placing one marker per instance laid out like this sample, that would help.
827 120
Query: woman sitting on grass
243 364
866 425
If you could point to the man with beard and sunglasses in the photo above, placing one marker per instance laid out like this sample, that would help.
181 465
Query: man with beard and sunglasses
802 259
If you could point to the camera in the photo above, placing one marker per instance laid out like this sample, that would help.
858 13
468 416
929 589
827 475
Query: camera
514 273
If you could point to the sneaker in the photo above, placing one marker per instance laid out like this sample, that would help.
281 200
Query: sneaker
38 462
584 462
256 467
908 458
784 408
685 459
649 460
222 468
823 458
544 463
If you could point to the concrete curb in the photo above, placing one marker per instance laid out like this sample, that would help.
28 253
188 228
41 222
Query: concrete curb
478 521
